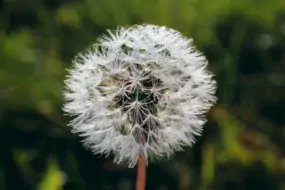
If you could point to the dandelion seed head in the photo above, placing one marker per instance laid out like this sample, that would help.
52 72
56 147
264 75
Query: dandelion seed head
140 90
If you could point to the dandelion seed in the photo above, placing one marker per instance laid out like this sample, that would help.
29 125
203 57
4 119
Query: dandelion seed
142 90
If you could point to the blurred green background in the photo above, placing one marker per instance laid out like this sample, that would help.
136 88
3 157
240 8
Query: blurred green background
242 147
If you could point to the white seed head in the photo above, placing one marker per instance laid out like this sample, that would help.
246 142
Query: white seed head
140 90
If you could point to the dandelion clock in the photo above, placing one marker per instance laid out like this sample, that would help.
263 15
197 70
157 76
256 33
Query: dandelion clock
138 93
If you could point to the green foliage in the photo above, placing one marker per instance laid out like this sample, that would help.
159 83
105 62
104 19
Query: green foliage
52 179
243 143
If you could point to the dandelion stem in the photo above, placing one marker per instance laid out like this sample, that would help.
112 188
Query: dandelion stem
141 175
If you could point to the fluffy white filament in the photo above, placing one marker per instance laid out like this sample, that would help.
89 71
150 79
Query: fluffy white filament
140 90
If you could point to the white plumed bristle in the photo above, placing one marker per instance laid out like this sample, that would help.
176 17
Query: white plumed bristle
141 90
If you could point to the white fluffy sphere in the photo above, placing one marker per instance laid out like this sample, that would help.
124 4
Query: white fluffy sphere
140 90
